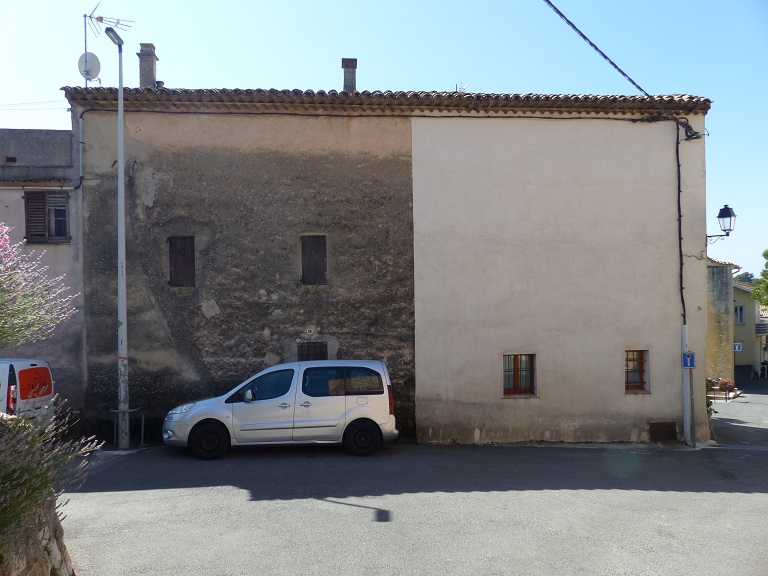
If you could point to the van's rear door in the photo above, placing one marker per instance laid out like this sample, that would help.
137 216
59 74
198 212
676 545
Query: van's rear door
34 388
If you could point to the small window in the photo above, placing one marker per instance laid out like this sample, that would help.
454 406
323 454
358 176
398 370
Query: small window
46 216
181 256
739 315
519 374
636 370
313 260
312 351
320 382
272 385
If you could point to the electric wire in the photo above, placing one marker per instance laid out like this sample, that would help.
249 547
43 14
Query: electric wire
690 133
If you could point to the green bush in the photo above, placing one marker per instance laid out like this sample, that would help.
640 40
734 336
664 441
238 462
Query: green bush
37 463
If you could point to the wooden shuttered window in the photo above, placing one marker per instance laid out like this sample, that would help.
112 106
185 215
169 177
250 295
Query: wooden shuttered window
181 254
313 260
46 217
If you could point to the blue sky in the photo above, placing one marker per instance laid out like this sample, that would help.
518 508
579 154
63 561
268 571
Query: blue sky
712 48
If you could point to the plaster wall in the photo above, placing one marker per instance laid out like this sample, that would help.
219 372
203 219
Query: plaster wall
41 155
751 346
720 333
247 187
557 238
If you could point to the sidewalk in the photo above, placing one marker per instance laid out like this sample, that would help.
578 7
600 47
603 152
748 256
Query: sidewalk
743 420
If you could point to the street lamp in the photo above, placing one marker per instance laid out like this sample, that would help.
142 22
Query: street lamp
122 308
726 218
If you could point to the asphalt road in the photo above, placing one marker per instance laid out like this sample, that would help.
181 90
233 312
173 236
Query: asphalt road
427 510
743 421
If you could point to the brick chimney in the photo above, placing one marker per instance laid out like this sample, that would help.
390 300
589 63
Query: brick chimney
350 73
147 66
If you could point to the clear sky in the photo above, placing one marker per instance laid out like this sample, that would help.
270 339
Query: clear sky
712 48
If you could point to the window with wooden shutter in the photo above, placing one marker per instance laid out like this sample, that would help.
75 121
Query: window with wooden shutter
181 254
46 217
313 260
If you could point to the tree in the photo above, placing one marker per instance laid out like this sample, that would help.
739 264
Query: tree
745 278
760 285
31 302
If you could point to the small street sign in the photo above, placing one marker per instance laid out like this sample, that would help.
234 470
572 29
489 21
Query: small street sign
689 360
737 346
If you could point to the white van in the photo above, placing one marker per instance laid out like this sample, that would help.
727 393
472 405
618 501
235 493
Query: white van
345 402
26 387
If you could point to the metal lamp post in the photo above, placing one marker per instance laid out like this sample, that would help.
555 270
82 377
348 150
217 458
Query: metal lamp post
122 307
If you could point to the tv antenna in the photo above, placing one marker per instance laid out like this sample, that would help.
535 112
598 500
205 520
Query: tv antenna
94 23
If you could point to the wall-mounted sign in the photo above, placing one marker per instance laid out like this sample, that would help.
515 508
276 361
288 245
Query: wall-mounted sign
737 346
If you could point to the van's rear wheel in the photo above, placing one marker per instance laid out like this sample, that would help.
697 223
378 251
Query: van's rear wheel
210 441
362 438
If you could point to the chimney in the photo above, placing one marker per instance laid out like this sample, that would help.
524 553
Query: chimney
350 73
147 66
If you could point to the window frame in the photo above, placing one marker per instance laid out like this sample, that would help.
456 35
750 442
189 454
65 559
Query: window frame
311 351
738 312
636 365
514 371
40 217
181 275
314 259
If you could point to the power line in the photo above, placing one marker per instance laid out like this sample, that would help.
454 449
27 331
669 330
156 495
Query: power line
31 103
690 133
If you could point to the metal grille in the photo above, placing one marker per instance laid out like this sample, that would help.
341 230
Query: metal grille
181 254
519 374
312 351
634 369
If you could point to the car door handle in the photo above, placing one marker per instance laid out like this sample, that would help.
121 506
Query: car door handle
283 405
306 404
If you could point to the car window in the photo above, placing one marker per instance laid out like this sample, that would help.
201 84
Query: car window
272 385
364 381
318 382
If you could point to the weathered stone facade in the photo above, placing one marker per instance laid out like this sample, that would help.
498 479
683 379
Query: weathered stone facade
247 200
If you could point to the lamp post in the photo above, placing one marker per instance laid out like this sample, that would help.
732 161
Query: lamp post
122 307
726 219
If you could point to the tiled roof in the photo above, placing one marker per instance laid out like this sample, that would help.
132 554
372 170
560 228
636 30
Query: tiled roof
745 287
722 263
237 100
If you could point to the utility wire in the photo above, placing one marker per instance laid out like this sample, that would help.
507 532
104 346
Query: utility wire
690 133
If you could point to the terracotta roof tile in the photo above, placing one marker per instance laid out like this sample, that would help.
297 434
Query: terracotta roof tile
249 100
722 263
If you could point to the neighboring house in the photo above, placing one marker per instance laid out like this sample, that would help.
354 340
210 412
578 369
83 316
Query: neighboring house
516 259
750 328
720 325
40 201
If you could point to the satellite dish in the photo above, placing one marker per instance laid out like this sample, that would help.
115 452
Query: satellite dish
94 67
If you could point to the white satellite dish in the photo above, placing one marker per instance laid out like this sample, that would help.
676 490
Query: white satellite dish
94 67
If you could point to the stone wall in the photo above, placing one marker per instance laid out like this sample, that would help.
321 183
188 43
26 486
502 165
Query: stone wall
43 553
247 210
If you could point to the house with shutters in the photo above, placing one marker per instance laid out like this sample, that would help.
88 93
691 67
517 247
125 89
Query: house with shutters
518 260
514 258
750 329
40 202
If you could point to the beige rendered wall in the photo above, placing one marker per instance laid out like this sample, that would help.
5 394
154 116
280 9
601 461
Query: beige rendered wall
745 333
557 238
64 349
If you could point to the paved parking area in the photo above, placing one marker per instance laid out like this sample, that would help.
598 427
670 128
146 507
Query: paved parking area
430 510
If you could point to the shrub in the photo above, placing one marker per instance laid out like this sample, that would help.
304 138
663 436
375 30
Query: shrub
37 463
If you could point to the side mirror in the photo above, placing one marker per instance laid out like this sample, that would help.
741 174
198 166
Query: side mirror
248 396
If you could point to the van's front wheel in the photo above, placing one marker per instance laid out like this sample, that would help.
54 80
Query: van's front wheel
362 438
209 441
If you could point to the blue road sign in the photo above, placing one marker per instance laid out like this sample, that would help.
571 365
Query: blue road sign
689 360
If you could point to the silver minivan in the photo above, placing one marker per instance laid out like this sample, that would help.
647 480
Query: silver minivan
347 402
